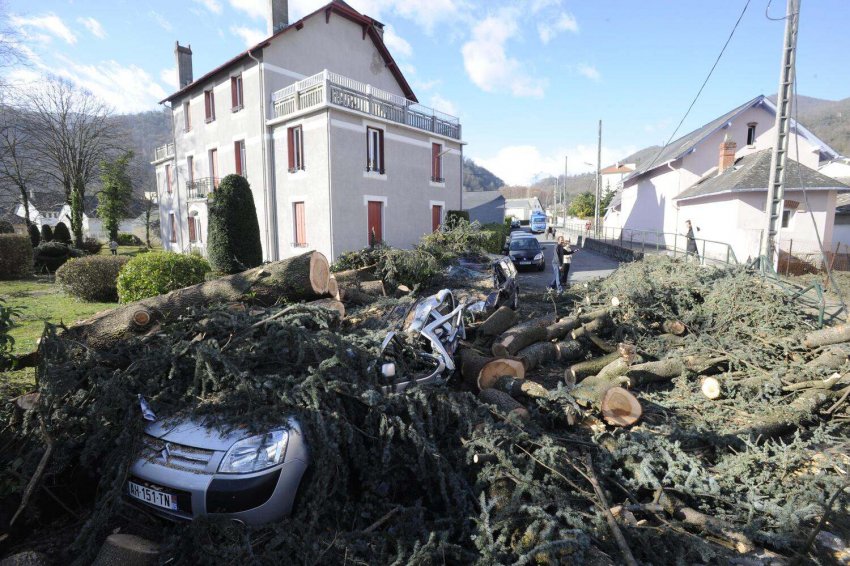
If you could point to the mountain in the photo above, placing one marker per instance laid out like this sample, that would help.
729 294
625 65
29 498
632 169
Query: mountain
827 119
477 178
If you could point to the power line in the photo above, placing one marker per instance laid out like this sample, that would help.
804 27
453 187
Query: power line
701 88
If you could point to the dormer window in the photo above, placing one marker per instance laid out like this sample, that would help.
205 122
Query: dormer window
751 134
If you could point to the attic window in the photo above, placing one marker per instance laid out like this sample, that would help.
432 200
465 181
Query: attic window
751 133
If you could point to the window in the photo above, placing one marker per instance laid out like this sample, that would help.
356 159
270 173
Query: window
187 117
239 153
295 148
213 157
437 163
436 217
236 93
375 150
375 222
193 229
299 225
751 133
209 105
168 179
173 222
190 169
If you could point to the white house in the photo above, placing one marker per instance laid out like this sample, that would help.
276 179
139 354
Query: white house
661 195
521 208
320 120
611 179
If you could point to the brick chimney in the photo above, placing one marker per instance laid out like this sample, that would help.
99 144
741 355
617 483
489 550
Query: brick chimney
278 15
184 64
727 155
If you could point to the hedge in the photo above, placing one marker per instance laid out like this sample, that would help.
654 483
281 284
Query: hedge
15 256
155 273
125 239
233 232
52 255
35 235
46 233
496 236
61 233
92 246
92 278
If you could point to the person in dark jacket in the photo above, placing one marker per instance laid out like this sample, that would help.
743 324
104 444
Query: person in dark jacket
565 256
691 247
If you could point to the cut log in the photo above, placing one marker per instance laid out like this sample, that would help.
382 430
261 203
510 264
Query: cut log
561 328
303 277
618 367
333 288
586 317
678 510
497 368
705 365
504 403
675 327
498 322
330 304
512 341
471 363
619 407
516 387
401 291
827 336
606 347
711 388
353 277
374 288
354 296
538 354
581 370
569 351
591 390
650 372
828 361
596 326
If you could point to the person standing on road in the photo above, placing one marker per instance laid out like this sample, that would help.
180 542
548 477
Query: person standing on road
691 247
566 252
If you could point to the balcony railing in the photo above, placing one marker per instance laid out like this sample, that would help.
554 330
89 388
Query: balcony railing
336 90
163 151
201 188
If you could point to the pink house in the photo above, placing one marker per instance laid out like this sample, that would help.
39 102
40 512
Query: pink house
722 191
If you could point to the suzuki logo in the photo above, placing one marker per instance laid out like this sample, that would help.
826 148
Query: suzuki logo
165 453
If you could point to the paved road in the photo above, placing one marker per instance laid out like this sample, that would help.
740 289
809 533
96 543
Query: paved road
586 265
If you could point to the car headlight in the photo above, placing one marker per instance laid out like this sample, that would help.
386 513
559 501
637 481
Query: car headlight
538 256
255 453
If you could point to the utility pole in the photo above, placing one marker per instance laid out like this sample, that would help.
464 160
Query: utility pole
598 183
564 193
779 156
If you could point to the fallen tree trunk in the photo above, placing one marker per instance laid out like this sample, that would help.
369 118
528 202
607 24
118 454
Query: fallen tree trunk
353 277
595 326
561 328
538 354
579 371
827 336
498 322
303 277
512 341
471 363
374 288
569 350
650 372
333 288
504 403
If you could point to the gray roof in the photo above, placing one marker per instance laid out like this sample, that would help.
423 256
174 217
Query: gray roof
484 206
752 173
685 144
471 199
521 202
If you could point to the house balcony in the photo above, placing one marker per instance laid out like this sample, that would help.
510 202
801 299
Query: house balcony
163 152
331 89
201 188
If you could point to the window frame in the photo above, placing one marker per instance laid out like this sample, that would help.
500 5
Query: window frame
237 93
193 229
375 162
751 134
240 154
295 148
212 162
209 105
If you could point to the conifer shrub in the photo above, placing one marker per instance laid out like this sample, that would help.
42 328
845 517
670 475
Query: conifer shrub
233 241
92 278
61 233
15 256
51 256
92 246
126 239
35 235
46 233
155 273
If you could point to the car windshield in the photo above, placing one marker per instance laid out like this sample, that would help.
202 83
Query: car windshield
525 244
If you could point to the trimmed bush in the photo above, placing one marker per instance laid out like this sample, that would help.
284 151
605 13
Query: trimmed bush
92 246
233 233
15 256
52 255
61 233
46 233
6 227
92 278
35 235
452 217
125 239
155 273
496 234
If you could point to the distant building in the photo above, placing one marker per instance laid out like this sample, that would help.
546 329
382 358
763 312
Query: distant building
484 206
521 208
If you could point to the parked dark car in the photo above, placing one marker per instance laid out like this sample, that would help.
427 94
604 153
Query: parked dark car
526 252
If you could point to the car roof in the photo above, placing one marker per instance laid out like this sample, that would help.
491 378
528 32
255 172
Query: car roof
518 235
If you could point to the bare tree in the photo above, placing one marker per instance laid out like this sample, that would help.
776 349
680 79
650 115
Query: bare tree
19 168
73 134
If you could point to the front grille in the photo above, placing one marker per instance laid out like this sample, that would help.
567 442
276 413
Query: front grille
177 456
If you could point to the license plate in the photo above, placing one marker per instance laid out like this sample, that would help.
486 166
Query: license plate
525 262
152 496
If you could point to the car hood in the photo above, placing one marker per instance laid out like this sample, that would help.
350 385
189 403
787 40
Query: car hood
190 432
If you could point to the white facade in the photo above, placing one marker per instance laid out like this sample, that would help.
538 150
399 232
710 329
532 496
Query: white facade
329 75
521 208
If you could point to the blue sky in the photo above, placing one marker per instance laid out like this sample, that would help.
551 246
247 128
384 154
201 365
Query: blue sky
529 79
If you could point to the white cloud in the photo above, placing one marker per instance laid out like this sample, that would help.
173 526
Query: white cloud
548 30
437 102
250 36
168 77
538 5
588 71
161 20
397 44
523 164
254 8
487 63
93 26
213 6
50 23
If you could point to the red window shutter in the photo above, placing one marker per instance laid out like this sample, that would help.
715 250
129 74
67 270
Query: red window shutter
290 144
192 234
234 96
436 217
435 148
381 151
237 151
173 222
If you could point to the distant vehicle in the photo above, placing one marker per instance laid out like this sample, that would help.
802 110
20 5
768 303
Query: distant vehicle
526 252
515 225
538 222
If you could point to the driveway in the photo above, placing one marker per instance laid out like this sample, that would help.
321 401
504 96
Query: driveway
586 265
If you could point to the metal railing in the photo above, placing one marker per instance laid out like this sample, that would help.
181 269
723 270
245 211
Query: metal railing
201 188
336 90
163 151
